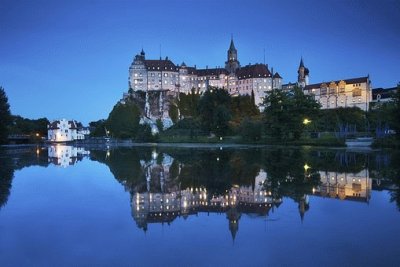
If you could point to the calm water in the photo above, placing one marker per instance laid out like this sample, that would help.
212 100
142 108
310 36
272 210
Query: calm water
169 206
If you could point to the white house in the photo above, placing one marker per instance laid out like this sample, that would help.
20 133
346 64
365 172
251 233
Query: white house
66 130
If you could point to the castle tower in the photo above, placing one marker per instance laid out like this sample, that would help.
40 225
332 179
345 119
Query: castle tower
302 77
232 63
233 215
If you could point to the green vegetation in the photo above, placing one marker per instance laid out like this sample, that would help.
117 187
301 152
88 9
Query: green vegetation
35 128
214 111
98 128
5 116
188 104
286 112
123 120
289 117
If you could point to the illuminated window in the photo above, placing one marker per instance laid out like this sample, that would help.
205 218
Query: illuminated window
356 92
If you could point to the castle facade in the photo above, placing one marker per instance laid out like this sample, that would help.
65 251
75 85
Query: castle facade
164 75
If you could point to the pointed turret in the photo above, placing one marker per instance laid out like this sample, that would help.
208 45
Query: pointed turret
232 45
301 63
302 78
232 63
233 215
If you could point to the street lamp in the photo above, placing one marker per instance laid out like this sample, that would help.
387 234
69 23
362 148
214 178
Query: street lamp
306 121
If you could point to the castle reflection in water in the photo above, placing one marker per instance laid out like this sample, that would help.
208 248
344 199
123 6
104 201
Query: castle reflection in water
165 206
158 200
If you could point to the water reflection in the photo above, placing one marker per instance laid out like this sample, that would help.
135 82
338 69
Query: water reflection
166 182
257 197
64 156
170 203
345 186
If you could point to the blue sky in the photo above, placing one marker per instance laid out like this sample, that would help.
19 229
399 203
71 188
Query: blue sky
70 59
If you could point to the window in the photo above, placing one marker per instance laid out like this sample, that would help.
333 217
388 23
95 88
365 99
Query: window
356 92
323 89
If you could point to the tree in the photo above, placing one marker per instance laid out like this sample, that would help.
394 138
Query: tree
250 130
26 126
173 113
285 112
98 128
214 111
123 120
5 116
396 114
188 103
243 106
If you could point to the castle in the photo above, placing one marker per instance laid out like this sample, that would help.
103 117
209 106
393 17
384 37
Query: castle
165 76
155 84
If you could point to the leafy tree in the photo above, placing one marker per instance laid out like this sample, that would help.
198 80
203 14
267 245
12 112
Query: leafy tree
144 134
214 111
285 112
250 130
123 120
173 113
6 177
188 103
5 116
243 106
160 125
98 128
26 126
332 119
396 114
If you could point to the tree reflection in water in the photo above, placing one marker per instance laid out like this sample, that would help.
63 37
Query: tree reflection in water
168 182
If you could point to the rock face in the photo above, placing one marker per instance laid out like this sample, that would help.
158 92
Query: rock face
153 105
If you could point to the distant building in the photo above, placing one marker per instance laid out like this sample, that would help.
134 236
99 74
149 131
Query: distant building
345 186
354 92
302 78
164 75
381 95
66 130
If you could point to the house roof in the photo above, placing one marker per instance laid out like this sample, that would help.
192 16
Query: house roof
161 64
277 76
211 72
53 125
72 123
253 71
347 81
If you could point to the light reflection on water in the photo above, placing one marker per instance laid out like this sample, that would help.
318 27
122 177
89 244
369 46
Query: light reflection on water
204 204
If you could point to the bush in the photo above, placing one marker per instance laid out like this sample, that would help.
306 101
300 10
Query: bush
251 130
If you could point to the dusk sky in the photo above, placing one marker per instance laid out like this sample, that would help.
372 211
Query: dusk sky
70 59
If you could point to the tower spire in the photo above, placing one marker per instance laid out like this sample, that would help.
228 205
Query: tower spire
232 46
301 62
